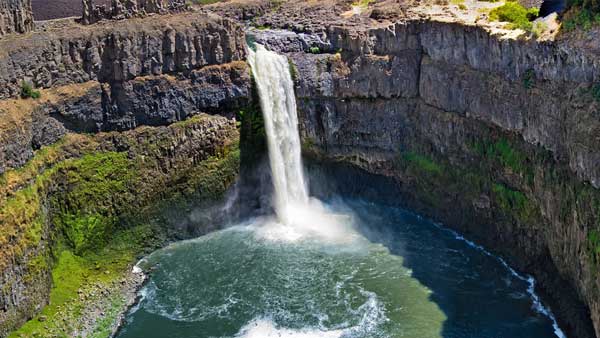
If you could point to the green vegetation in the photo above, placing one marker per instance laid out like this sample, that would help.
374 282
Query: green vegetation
580 17
437 179
99 209
539 28
422 163
582 14
253 135
95 275
502 151
314 50
27 91
515 203
97 188
362 3
517 16
529 78
460 3
482 177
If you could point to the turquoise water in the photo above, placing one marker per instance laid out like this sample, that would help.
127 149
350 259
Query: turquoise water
377 272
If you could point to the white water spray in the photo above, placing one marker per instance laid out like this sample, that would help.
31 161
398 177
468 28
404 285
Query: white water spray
298 216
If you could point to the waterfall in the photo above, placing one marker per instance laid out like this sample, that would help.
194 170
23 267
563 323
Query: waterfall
277 99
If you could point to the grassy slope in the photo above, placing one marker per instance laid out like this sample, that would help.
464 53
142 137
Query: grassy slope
86 203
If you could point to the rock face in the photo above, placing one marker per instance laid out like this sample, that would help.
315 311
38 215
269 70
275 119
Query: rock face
495 137
93 107
15 16
148 72
119 51
175 154
125 9
183 77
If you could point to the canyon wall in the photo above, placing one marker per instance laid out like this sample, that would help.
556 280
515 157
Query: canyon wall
16 16
495 137
139 72
133 118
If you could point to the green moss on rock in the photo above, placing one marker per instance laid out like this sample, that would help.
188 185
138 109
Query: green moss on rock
83 208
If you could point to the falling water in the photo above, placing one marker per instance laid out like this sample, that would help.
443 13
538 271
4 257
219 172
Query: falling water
332 282
276 90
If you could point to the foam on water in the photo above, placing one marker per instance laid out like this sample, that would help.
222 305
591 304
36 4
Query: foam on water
311 220
265 328
372 314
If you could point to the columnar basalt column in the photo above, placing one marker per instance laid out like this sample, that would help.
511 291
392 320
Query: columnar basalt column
16 16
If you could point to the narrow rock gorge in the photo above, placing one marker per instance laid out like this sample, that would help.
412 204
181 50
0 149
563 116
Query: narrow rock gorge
142 122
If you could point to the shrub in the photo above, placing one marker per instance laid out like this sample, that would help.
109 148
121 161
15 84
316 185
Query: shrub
516 15
27 91
362 3
315 50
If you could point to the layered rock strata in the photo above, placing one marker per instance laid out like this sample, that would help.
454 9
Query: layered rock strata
118 51
125 9
77 165
150 72
506 129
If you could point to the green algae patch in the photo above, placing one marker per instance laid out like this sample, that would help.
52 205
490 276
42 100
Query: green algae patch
96 188
79 281
504 152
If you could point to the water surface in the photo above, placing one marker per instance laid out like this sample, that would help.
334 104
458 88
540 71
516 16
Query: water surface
378 271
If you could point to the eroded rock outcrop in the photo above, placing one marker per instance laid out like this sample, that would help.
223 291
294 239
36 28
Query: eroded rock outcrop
172 164
182 77
147 72
125 9
93 107
119 51
15 16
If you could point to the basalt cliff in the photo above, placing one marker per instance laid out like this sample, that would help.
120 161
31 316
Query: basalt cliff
492 133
